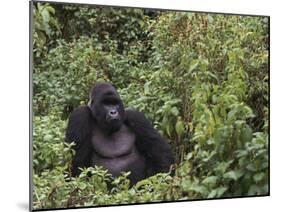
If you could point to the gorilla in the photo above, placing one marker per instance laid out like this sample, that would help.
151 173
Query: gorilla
115 138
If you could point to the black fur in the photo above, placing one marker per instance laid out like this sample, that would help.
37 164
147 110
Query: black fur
89 128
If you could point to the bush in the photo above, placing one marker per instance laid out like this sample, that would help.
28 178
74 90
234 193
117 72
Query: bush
49 150
67 74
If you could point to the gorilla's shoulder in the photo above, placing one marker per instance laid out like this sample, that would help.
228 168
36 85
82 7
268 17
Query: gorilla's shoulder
82 109
79 124
130 110
136 119
81 112
133 114
81 116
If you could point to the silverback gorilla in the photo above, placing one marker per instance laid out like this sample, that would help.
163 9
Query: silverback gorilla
118 139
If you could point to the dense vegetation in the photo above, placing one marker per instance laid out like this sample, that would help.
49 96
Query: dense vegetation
201 78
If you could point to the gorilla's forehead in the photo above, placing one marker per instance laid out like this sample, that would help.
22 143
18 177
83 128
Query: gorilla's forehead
109 93
102 90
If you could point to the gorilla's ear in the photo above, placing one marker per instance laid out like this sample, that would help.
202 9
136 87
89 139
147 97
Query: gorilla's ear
89 103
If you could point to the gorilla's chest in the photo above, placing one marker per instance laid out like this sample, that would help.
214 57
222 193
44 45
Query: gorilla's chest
117 152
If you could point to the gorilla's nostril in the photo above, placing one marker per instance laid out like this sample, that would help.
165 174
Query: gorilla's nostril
113 112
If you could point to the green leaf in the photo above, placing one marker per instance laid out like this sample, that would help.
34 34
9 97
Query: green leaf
146 88
210 180
212 194
200 189
251 167
47 137
50 9
142 183
258 177
246 134
82 185
234 175
179 127
210 19
193 66
45 16
220 191
254 190
175 111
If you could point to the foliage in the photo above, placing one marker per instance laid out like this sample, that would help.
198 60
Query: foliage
67 74
201 78
45 29
48 134
115 29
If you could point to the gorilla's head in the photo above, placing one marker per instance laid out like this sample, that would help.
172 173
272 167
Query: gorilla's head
106 106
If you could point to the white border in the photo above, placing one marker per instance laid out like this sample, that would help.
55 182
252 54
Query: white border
14 117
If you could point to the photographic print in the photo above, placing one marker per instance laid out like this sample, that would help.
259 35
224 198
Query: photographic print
145 105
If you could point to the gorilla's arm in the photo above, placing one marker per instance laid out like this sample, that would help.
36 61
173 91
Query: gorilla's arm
157 151
79 131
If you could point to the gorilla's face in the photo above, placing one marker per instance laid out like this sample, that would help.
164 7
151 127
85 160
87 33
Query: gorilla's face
112 111
107 107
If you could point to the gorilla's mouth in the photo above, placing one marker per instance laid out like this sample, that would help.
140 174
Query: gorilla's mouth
113 124
112 120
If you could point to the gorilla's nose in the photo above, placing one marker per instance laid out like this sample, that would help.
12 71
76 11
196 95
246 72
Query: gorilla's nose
113 113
